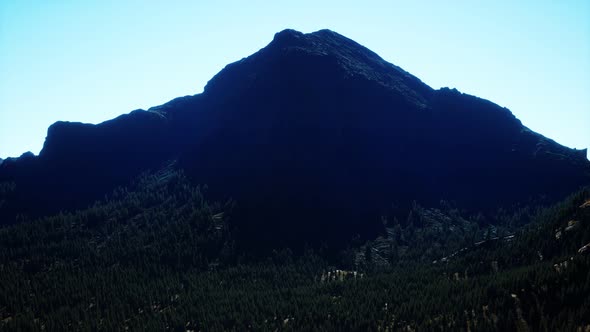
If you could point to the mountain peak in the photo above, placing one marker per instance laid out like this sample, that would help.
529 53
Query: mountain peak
314 56
287 36
318 39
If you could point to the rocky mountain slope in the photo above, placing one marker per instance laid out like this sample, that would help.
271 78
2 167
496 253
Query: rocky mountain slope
315 137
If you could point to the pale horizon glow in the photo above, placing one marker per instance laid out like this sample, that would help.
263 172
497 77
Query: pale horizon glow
69 61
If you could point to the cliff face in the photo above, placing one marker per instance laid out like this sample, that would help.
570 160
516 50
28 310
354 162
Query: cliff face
312 133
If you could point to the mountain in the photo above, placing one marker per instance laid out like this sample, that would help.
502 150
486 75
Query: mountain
362 200
315 137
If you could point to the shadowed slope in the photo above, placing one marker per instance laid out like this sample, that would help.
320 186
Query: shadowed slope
315 136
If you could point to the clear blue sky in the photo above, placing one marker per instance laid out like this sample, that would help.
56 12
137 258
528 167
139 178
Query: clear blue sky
90 61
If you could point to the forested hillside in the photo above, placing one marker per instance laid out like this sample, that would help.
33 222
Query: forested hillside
159 256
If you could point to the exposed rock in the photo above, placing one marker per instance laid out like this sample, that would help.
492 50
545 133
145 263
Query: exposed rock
558 234
561 266
584 249
340 275
571 225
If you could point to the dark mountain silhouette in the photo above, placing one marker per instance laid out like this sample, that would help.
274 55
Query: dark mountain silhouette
315 136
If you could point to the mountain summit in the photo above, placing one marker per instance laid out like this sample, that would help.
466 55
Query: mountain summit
315 136
348 59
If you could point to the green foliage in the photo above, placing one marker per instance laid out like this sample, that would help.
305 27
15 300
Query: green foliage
159 256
